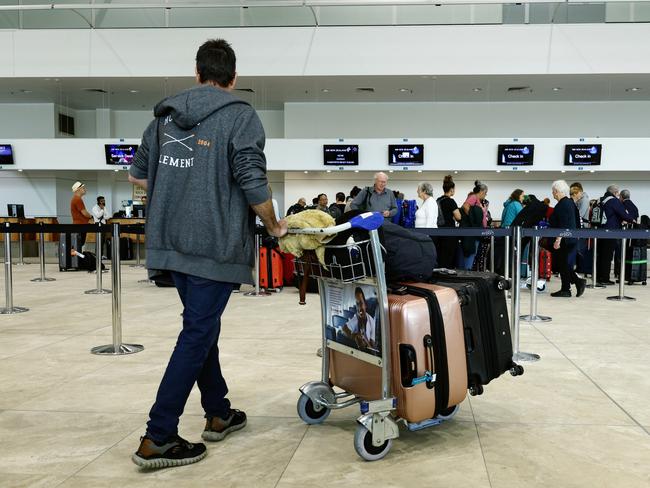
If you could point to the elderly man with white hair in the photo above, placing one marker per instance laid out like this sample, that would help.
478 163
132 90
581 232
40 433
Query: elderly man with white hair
565 216
376 199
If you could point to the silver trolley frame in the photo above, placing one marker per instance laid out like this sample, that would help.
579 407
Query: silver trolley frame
377 425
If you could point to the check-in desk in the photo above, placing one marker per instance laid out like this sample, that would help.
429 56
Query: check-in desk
16 220
125 221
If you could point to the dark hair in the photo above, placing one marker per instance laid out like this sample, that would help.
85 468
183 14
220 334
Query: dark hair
448 184
100 198
216 62
516 194
358 290
577 185
314 201
479 187
340 196
355 191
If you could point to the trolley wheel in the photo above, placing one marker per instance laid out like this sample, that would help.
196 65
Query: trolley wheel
449 413
311 413
364 447
476 390
517 370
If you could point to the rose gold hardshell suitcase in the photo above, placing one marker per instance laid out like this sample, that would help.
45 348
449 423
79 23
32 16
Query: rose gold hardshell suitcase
411 322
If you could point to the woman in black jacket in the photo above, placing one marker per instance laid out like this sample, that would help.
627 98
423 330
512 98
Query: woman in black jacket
564 217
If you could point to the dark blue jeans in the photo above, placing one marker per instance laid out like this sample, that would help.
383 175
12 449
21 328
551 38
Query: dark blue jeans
195 357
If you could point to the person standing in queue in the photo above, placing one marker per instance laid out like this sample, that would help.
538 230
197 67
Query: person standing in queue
78 211
202 138
565 216
377 199
448 216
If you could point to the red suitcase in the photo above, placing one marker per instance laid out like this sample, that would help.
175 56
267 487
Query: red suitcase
545 265
271 277
288 268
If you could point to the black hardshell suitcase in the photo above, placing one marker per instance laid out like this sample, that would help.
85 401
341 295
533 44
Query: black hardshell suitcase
126 249
636 264
66 243
488 342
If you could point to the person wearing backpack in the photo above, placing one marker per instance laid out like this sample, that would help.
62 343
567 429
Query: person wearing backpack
448 216
613 216
377 198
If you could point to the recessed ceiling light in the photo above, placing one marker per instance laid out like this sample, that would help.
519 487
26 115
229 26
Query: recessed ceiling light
20 170
527 171
592 170
476 90
564 171
419 171
325 90
391 171
329 171
405 90
134 91
633 89
116 170
556 88
455 172
498 171
306 172
356 170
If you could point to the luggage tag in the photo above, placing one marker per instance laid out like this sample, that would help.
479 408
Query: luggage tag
428 378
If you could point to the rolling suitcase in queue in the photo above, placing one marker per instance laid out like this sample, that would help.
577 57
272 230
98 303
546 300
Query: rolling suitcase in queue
271 276
288 268
487 327
636 264
545 265
426 337
67 242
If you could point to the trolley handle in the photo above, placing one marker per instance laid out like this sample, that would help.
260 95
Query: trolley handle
368 221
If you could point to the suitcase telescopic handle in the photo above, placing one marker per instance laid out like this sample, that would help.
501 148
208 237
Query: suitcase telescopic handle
428 346
367 221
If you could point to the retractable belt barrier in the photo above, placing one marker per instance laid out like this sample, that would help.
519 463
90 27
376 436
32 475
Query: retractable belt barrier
511 236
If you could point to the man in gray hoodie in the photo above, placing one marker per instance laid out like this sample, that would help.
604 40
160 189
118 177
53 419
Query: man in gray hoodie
202 163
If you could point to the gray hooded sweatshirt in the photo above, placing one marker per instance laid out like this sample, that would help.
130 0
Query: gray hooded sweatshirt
204 163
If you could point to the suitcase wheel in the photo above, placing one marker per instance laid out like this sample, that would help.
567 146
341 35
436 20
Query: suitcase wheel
517 370
310 413
475 390
364 447
504 284
450 412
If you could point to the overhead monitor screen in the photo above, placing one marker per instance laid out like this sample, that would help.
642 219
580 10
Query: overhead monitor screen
582 154
341 154
6 154
120 154
406 155
515 154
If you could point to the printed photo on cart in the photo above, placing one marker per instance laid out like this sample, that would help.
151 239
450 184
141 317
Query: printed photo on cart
353 316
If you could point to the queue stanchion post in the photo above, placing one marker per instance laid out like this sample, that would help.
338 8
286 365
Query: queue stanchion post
99 290
506 261
117 348
9 308
258 292
621 277
492 254
515 303
594 282
41 259
533 317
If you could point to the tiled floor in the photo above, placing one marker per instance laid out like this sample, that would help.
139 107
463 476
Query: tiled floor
577 418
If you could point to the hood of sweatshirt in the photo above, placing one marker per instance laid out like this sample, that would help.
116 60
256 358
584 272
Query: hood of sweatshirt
190 107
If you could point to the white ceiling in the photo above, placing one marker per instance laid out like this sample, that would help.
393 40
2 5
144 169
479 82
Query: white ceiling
270 93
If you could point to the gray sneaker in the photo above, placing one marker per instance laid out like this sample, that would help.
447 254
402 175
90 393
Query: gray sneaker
175 452
216 428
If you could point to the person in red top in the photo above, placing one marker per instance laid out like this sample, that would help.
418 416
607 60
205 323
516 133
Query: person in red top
78 210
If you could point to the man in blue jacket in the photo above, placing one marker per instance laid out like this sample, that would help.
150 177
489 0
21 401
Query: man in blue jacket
202 163
615 214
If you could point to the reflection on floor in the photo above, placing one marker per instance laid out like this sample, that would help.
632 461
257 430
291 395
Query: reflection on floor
577 418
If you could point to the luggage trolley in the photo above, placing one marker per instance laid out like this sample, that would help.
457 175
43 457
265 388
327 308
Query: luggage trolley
362 266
